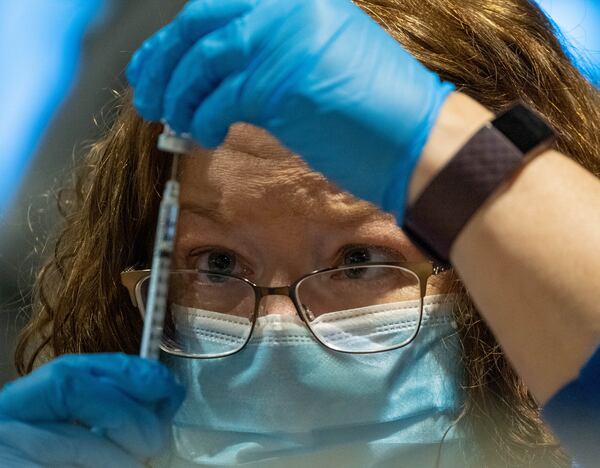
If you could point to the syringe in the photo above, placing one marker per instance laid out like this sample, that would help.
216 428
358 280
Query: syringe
158 290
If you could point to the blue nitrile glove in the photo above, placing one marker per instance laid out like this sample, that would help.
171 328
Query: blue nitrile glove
95 410
320 75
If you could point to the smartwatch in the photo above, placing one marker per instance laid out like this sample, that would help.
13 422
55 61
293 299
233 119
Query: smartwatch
490 157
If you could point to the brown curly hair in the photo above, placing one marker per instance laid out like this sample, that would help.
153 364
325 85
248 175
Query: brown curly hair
496 51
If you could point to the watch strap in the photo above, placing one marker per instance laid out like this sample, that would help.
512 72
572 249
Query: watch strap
490 157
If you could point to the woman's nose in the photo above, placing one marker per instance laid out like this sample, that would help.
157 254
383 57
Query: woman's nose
276 305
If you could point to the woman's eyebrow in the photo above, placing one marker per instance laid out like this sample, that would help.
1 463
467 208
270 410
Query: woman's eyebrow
207 212
350 215
340 210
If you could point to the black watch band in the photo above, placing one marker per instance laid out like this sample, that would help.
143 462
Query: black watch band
490 157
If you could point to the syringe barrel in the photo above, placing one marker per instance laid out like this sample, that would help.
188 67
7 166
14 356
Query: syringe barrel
159 277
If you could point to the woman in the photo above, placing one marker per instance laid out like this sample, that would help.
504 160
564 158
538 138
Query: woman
494 52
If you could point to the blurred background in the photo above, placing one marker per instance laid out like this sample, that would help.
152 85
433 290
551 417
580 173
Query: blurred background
62 59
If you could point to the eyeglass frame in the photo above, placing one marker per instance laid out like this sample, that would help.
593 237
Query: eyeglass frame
132 280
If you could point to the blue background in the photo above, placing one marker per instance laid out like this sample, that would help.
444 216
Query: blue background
40 44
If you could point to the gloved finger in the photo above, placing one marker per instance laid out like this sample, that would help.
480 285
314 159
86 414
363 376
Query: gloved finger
96 403
97 390
12 458
28 398
201 70
144 380
126 422
139 59
58 444
217 113
143 72
194 21
132 426
233 49
150 71
200 17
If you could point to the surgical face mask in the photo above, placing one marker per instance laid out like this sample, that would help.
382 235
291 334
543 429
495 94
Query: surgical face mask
286 400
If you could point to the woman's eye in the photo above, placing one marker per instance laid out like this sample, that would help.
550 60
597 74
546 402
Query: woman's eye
366 254
219 261
222 262
357 255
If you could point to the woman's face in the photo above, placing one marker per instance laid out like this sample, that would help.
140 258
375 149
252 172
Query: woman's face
254 209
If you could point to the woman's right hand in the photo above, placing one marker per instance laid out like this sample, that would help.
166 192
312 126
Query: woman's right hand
320 75
92 410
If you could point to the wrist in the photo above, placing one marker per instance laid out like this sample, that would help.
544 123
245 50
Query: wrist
459 119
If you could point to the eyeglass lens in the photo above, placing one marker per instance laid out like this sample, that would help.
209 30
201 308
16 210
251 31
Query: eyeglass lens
353 309
365 309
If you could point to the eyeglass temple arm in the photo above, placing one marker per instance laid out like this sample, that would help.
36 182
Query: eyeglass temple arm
130 280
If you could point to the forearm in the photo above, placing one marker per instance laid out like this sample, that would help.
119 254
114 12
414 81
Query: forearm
530 255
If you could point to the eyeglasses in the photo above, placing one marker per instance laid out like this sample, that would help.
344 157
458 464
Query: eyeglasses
358 308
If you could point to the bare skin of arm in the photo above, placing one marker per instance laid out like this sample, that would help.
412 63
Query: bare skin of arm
530 256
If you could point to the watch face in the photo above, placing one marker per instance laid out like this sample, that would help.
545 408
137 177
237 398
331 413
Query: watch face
523 127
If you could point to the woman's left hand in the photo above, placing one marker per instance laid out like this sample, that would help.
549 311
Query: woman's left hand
320 75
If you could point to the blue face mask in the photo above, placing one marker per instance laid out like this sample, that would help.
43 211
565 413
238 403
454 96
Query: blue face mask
286 400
